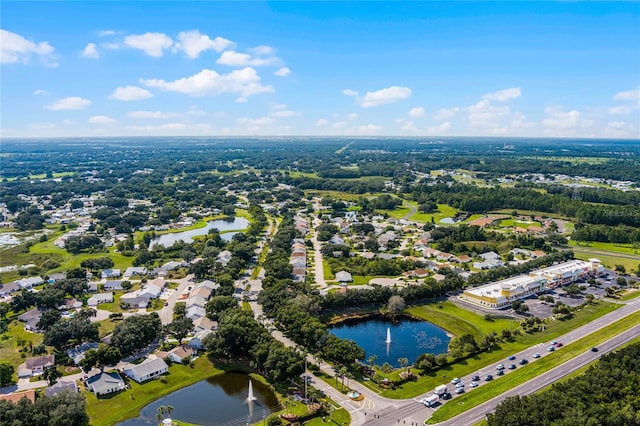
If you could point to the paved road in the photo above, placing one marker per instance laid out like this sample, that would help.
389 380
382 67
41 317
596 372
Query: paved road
597 252
166 314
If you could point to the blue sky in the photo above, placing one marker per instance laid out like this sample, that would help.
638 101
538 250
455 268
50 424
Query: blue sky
568 69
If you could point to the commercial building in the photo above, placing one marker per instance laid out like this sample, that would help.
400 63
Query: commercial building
501 294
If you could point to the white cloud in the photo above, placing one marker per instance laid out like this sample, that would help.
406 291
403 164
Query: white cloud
408 126
484 115
620 110
101 119
263 51
192 43
40 92
151 114
130 93
110 46
244 82
70 103
617 124
369 129
105 33
629 95
91 51
349 92
152 44
15 48
444 113
503 95
253 125
236 59
285 113
282 72
353 116
161 129
519 122
322 122
439 129
384 96
559 119
416 112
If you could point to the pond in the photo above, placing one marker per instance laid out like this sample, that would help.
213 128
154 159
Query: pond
219 400
235 223
409 338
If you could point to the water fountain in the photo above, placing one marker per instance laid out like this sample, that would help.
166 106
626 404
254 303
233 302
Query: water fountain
251 397
388 336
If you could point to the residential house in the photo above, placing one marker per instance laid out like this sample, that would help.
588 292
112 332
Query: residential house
171 265
57 277
196 340
92 287
344 277
208 284
225 257
150 369
31 319
110 273
9 288
35 366
105 383
60 387
77 354
181 354
99 298
30 282
195 301
490 255
337 239
113 285
202 292
204 323
416 273
133 301
17 396
153 291
135 270
195 312
69 304
537 253
464 258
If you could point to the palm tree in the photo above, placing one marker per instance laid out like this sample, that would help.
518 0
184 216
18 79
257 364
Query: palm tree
343 372
403 362
169 409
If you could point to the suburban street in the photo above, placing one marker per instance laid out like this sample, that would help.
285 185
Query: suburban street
166 314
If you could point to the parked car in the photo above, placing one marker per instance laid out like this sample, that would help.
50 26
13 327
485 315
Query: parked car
537 355
524 361
512 367
488 378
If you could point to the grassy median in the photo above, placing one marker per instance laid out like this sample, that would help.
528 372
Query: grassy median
534 369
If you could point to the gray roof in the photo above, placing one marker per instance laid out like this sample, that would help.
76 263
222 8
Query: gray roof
147 367
61 387
103 381
343 276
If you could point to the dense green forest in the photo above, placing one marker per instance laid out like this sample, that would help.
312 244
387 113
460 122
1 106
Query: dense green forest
606 395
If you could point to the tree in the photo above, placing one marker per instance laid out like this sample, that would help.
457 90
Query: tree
621 269
396 305
51 375
136 332
371 360
179 328
403 362
6 374
48 318
5 308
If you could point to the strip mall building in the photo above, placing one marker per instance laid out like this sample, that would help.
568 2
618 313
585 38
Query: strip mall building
501 294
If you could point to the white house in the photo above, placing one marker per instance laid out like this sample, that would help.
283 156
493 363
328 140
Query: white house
99 298
344 277
30 282
180 354
105 383
110 273
149 369
195 312
113 285
196 341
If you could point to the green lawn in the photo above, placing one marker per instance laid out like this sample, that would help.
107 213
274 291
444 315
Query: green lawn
326 270
459 321
612 247
510 223
127 404
501 350
523 374
608 261
529 213
9 349
444 210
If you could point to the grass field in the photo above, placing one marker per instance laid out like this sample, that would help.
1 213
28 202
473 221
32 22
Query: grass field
127 404
326 270
9 349
459 321
502 350
523 374
612 247
607 261
529 213
444 210
339 195
510 223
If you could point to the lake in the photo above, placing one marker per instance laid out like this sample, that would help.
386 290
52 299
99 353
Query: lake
409 338
235 223
219 400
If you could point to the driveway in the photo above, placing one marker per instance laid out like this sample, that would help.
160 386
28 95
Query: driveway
166 314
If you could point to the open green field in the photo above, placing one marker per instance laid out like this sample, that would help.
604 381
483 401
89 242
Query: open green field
529 213
444 210
502 350
612 247
326 270
459 321
572 160
9 349
55 175
510 223
606 260
123 405
338 195
534 369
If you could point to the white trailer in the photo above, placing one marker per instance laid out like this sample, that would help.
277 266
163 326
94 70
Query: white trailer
431 400
440 390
